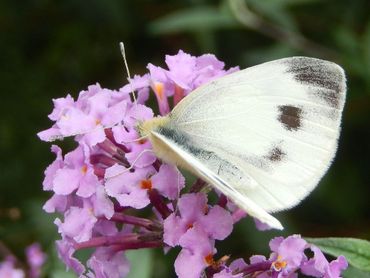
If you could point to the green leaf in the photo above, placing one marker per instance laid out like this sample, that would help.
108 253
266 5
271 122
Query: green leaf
351 272
264 54
356 251
366 48
141 263
60 273
350 47
193 19
274 11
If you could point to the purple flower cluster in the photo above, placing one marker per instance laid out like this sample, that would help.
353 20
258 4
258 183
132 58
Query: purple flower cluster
9 268
287 259
112 173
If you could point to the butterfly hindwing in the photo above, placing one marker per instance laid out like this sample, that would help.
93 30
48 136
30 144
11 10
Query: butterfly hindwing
201 165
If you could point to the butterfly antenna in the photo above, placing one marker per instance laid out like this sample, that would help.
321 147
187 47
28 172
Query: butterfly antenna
134 140
132 164
123 52
178 189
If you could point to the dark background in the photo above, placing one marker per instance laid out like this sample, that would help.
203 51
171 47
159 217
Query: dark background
51 48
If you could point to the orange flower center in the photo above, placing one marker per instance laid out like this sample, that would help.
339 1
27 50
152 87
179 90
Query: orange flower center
84 169
189 226
279 264
159 89
209 259
141 141
146 184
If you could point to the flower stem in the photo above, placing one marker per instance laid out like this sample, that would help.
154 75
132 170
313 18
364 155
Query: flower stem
110 136
157 201
99 172
119 208
125 242
138 221
103 159
197 186
257 267
222 201
157 164
114 151
179 95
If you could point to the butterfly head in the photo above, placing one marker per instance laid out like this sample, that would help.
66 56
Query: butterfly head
148 130
146 127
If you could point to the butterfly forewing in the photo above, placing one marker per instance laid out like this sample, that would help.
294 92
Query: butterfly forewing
269 131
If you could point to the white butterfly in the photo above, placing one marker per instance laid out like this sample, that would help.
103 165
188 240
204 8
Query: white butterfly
263 136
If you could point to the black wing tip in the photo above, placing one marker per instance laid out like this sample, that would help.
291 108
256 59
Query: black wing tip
327 79
328 69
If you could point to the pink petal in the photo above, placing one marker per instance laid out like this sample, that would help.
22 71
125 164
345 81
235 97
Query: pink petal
65 251
102 205
76 122
66 181
209 60
218 223
174 229
115 114
107 263
137 198
60 106
88 184
93 137
275 243
78 224
57 203
50 134
138 157
189 265
192 206
168 181
53 168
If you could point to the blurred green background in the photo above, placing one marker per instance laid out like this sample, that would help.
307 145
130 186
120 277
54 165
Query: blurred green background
51 48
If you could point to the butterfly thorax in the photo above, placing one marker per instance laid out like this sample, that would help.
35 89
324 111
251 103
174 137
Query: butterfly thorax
145 128
150 129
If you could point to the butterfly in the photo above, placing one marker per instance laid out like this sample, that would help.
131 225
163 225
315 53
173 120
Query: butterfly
263 136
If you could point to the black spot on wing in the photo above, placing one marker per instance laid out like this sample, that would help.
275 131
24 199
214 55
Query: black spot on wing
276 154
290 117
325 78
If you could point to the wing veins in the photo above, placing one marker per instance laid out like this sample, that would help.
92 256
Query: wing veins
291 138
262 135
230 143
212 119
297 99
